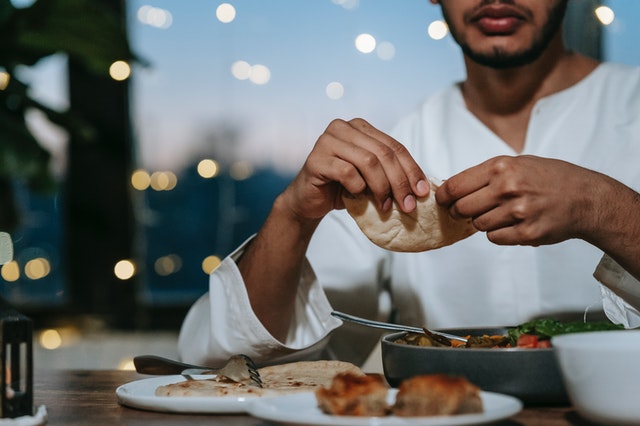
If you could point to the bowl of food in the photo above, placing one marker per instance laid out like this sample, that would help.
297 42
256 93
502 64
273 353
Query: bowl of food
601 374
517 361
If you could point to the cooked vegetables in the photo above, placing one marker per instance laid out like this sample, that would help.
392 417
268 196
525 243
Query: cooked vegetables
532 334
484 341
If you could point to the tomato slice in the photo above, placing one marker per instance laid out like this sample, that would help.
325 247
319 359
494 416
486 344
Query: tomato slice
544 343
528 341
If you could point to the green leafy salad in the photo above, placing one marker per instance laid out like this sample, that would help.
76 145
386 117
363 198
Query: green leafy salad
546 328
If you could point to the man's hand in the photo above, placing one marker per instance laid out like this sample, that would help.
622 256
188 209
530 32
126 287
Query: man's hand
525 200
355 156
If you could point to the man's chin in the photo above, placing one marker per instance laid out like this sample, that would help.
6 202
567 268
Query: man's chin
504 63
499 59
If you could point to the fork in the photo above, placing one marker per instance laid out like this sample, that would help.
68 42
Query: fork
237 368
397 327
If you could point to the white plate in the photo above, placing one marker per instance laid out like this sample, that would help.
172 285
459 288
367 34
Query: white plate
302 409
142 394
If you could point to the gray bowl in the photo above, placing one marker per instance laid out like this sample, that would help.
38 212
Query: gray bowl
531 375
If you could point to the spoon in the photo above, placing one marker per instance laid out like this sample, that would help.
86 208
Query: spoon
397 327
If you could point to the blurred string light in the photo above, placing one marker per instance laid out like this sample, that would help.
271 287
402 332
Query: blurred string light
241 70
126 364
365 43
260 74
10 271
167 265
208 168
158 181
155 17
225 13
210 263
124 269
34 269
438 30
50 339
54 338
37 268
120 70
605 15
140 180
5 78
241 170
347 4
257 74
334 90
386 51
163 181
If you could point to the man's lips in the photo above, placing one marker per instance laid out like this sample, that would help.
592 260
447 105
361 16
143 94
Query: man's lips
493 26
500 19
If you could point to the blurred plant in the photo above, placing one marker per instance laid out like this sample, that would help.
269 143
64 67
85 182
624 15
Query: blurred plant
90 33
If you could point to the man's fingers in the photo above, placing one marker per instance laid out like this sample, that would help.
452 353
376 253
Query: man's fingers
405 177
474 204
471 180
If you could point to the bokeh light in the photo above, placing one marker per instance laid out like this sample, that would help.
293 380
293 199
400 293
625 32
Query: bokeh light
225 13
119 70
10 271
140 180
241 170
365 43
386 51
334 90
241 70
50 339
5 78
210 263
438 30
257 74
124 269
167 265
260 74
347 4
37 268
126 364
163 181
605 15
208 168
155 17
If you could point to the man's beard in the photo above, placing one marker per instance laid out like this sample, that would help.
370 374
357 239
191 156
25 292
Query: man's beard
499 59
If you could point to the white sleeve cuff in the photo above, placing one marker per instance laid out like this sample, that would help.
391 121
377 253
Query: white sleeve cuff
222 322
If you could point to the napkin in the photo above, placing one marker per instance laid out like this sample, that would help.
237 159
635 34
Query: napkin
620 291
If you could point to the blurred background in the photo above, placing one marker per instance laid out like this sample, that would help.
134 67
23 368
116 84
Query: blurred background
143 140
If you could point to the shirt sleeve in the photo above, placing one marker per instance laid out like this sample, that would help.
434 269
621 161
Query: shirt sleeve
620 292
221 323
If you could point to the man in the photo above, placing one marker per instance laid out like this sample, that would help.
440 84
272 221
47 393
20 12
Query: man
536 145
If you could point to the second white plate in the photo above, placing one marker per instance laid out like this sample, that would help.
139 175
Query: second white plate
302 409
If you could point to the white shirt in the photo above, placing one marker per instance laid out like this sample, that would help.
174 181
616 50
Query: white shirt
595 124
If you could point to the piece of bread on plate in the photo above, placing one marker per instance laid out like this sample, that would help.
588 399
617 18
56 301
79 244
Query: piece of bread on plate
436 394
354 395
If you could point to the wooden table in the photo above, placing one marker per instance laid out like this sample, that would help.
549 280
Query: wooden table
87 397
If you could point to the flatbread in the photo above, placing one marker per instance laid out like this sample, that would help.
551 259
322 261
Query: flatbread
428 227
276 379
